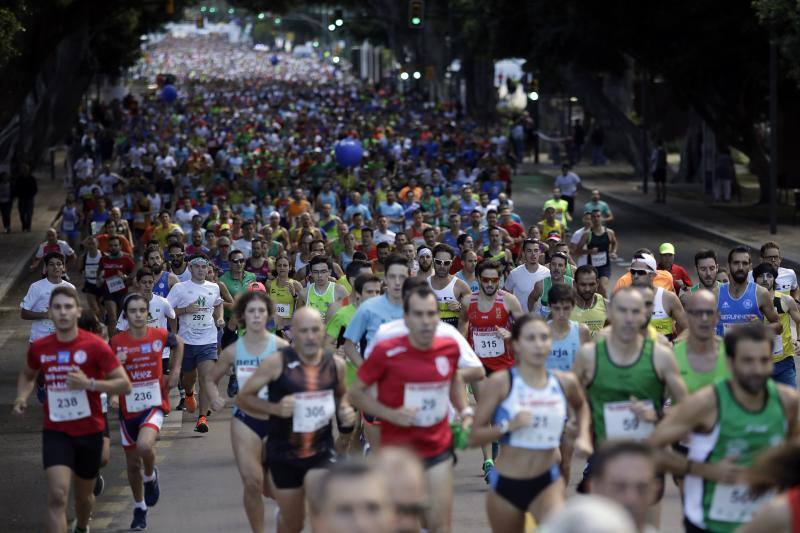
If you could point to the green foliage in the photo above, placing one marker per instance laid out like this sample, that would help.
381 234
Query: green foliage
782 20
10 27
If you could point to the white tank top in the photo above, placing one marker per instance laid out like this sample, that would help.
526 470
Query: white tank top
90 268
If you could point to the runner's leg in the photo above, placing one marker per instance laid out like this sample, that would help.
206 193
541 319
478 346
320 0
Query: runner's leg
134 463
247 452
503 516
549 500
440 489
58 479
84 500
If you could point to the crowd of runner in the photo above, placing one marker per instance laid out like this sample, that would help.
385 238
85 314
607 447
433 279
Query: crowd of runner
369 321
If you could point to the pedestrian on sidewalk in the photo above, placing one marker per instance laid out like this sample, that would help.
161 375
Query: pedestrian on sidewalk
725 174
6 201
25 189
568 182
597 138
658 169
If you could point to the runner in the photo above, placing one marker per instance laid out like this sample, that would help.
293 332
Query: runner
525 407
283 292
626 375
558 268
600 245
590 307
142 411
252 311
741 301
115 270
164 279
666 261
668 317
495 250
90 263
787 279
35 304
77 366
424 262
306 390
177 262
198 306
258 263
414 384
321 292
776 469
236 280
706 266
730 422
469 261
522 280
449 290
783 347
486 319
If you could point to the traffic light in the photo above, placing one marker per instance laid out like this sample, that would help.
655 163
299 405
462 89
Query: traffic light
416 10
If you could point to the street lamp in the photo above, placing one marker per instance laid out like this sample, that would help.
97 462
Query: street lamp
339 22
404 76
315 44
331 27
212 9
417 74
335 59
231 11
262 16
533 95
277 21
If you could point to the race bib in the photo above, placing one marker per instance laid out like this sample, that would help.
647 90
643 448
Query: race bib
312 410
283 310
243 373
143 395
201 321
487 343
733 503
91 272
599 259
115 284
621 423
546 428
68 225
65 405
429 399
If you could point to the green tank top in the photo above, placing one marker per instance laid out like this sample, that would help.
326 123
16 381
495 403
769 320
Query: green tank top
614 383
547 284
321 302
594 317
737 432
695 380
697 287
235 286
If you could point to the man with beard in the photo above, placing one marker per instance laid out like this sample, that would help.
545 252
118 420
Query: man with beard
706 266
449 290
164 281
730 422
668 316
258 263
424 262
590 306
742 301
177 262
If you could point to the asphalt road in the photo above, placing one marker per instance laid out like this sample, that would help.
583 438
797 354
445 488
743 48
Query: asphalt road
199 482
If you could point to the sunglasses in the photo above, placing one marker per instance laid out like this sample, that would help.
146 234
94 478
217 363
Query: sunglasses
443 262
237 261
638 272
489 280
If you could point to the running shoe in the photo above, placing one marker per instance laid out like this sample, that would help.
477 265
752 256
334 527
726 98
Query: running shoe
181 405
152 490
233 386
99 485
139 519
202 425
488 466
190 404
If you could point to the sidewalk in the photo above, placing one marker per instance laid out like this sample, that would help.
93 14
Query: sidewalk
688 209
18 247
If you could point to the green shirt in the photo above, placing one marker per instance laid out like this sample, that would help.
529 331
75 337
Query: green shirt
236 286
696 380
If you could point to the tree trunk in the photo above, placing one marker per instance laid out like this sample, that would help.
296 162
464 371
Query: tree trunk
690 170
478 71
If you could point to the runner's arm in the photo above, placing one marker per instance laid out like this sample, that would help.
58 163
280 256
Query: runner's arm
351 352
345 414
767 307
26 314
116 382
667 370
676 311
584 333
25 383
774 515
583 366
220 369
268 371
513 306
494 390
577 400
789 399
613 244
535 295
463 318
458 393
360 398
175 355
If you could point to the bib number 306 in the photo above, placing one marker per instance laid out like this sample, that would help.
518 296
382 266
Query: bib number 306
312 410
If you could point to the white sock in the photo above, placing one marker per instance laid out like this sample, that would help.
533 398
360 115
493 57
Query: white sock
140 505
148 479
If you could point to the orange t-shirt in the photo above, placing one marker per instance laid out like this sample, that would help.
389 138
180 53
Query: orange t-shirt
663 279
297 208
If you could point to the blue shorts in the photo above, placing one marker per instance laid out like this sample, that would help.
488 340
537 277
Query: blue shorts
194 354
784 372
258 426
129 429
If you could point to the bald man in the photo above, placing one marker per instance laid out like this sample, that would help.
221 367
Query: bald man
306 387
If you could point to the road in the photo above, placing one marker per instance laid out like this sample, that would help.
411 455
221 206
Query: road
199 483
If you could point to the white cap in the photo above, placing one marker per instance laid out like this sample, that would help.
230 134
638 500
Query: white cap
648 260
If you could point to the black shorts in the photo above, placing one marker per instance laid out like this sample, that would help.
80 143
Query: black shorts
291 473
447 455
116 297
258 426
521 492
81 454
660 176
691 528
91 288
228 338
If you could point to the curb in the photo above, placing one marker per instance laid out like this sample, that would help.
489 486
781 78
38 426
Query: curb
788 261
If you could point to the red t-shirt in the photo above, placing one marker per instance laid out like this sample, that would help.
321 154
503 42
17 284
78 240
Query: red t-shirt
76 412
414 378
679 273
514 230
481 333
143 364
113 267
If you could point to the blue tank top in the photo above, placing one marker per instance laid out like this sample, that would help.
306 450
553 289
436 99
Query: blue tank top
329 198
246 363
562 353
69 220
161 287
740 310
547 405
473 285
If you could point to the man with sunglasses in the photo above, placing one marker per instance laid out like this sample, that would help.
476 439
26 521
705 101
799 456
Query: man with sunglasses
177 262
449 290
321 292
668 316
486 319
522 280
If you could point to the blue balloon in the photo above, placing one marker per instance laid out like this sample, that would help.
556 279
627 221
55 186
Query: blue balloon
349 152
169 93
274 60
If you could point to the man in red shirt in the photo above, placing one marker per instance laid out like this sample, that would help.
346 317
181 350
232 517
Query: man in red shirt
514 229
680 278
115 270
77 366
416 379
142 411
